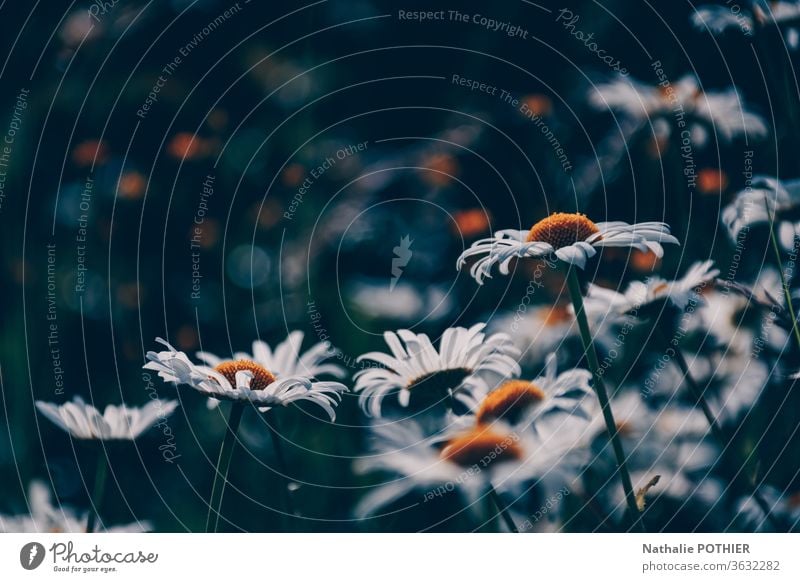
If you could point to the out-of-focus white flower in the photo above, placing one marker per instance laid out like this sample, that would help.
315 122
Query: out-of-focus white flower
466 358
670 443
722 110
468 462
762 202
601 302
537 330
572 238
406 302
84 421
44 517
524 402
782 507
719 19
246 380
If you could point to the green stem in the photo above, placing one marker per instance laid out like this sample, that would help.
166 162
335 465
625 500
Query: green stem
697 392
277 447
600 389
223 465
98 491
786 293
502 509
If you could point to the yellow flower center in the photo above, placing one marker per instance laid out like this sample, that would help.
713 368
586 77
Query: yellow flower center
557 315
562 229
481 447
509 401
261 376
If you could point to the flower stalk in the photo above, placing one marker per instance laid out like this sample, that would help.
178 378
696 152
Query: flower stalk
602 395
502 509
98 491
277 447
223 465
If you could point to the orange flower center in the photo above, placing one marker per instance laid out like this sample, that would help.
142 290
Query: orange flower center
557 315
509 401
562 229
261 376
481 447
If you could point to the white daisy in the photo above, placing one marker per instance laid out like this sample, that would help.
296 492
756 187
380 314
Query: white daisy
536 330
466 358
671 443
524 402
245 380
84 421
468 462
721 110
719 19
285 360
600 302
573 238
766 199
44 517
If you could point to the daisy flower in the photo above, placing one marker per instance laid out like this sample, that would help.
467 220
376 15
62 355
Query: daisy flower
536 330
467 462
719 19
248 379
655 291
572 238
721 110
518 401
466 359
670 443
766 199
44 517
84 421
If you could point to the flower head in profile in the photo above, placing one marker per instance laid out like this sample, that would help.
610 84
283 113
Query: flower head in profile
766 199
466 359
655 292
723 111
518 402
246 378
572 238
44 517
84 421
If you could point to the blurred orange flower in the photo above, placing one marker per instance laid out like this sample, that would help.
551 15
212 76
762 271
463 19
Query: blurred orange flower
90 152
131 185
712 181
188 146
441 169
472 222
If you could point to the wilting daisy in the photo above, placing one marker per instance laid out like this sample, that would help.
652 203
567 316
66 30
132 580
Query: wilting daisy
721 110
523 401
466 359
467 463
250 379
765 200
654 292
44 517
572 238
84 421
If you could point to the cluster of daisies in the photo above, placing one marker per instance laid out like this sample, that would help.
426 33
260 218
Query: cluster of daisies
455 421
